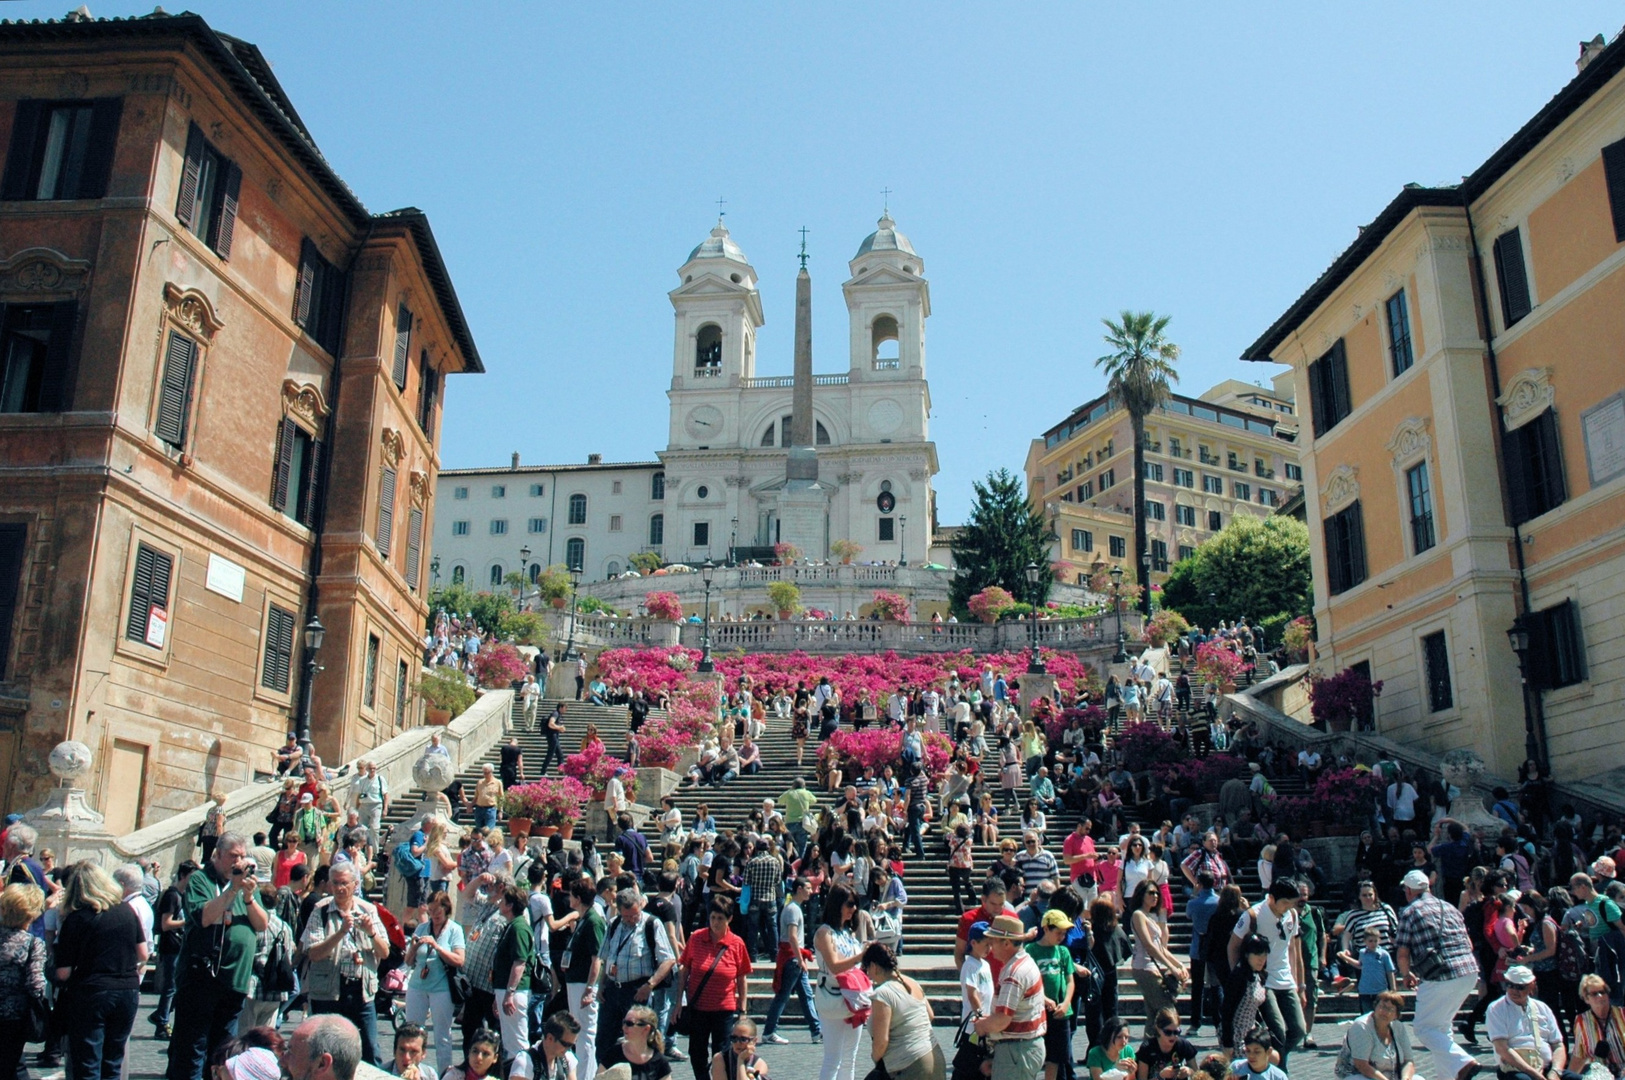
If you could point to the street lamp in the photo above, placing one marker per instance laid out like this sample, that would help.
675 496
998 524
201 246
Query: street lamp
1121 656
575 582
902 540
733 540
705 666
1035 666
314 634
1145 581
524 565
434 571
1534 722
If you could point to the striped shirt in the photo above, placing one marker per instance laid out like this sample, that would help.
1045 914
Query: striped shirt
1020 995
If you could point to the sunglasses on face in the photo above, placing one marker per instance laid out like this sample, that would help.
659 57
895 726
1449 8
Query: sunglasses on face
1597 994
634 1023
742 1038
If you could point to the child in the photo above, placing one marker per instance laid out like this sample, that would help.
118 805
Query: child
1376 969
1259 1060
976 1000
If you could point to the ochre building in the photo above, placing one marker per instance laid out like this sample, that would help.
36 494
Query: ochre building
1460 368
221 383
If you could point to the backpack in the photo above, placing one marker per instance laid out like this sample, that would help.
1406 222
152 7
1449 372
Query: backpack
276 972
1573 957
408 864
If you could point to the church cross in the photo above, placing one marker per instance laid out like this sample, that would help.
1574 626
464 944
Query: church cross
720 211
885 195
803 255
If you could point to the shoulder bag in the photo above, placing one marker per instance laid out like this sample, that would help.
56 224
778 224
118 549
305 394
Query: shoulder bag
689 1025
35 1020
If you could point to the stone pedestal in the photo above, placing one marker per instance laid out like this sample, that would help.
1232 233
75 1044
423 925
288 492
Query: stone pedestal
664 634
653 783
71 829
1034 687
804 513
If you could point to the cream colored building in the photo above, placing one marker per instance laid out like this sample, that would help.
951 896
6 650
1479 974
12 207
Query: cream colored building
1455 483
1205 463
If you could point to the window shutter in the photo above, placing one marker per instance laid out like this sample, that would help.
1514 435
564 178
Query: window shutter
186 204
284 465
13 540
313 483
98 168
1510 275
386 512
414 546
1317 396
20 158
428 391
175 394
225 222
403 344
1550 463
1613 168
305 290
149 589
1356 544
1338 376
56 381
278 650
1516 463
1332 534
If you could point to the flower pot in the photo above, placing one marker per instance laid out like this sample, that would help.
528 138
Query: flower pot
567 830
598 796
784 616
519 827
1339 722
439 717
546 830
558 602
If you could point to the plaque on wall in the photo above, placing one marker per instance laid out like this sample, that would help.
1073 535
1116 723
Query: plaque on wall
1603 426
225 577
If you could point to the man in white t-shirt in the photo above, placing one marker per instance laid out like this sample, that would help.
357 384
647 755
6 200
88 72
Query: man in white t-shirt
1276 921
791 966
1401 801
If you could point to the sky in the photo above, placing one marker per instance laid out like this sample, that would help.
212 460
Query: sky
1053 164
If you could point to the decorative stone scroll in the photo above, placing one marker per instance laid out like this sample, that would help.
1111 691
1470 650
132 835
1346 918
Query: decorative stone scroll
418 482
1529 394
304 402
193 311
394 447
1410 440
916 474
43 270
1342 487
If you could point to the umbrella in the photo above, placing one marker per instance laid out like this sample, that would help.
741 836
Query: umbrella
933 566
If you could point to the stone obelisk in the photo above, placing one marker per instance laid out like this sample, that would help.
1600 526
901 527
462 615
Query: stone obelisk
804 503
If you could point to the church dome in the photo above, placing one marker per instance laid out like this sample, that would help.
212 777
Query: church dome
885 238
719 245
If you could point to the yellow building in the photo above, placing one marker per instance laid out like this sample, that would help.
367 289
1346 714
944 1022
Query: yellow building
1456 484
1204 463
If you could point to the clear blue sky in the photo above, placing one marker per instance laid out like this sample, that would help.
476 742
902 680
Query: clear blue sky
1052 164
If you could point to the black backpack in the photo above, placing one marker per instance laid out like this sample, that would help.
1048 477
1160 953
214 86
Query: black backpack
276 972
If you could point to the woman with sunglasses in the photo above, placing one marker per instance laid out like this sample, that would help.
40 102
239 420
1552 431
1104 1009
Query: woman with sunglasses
640 1047
1157 972
738 1061
839 951
715 965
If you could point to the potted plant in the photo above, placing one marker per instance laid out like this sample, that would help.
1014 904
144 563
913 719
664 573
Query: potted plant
786 553
447 693
499 665
846 550
553 584
1219 665
1165 626
990 603
1343 700
1299 635
645 562
663 605
890 606
785 597
594 766
548 805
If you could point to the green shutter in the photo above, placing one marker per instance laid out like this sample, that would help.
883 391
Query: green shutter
149 589
175 392
386 512
186 202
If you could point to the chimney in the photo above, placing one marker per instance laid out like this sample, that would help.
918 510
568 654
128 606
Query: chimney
595 459
1590 50
515 459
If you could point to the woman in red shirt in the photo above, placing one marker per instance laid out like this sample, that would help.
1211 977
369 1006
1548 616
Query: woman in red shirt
715 965
289 857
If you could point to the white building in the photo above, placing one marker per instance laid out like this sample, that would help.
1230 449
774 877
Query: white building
593 516
720 481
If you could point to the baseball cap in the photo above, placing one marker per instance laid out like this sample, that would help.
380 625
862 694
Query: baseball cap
1416 880
1056 918
307 797
978 931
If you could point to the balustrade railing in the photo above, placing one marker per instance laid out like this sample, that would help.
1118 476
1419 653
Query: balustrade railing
864 635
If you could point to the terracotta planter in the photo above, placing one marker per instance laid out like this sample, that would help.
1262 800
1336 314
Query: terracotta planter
558 602
567 830
1339 723
439 717
519 827
598 796
784 616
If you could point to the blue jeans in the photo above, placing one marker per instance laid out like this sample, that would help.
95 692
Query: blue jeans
485 817
166 988
359 1011
764 927
916 825
205 1016
660 1001
99 1025
798 833
793 981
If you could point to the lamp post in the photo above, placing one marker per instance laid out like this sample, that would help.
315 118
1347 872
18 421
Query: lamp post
575 581
1121 656
1035 666
1145 576
902 540
705 666
733 540
1534 722
524 566
314 633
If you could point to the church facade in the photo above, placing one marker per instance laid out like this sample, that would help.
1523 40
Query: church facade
737 475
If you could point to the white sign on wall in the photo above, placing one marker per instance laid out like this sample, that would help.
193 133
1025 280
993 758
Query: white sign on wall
157 626
226 578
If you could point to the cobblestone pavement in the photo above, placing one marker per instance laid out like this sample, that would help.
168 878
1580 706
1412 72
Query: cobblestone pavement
801 1059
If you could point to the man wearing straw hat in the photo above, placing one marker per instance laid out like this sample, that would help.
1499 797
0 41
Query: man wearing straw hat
1017 1024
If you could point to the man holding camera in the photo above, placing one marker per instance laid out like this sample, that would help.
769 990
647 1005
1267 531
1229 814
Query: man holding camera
223 921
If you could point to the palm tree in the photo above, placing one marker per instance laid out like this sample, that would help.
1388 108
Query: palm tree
1140 367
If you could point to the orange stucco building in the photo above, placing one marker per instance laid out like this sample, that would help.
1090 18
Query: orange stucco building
221 381
1460 367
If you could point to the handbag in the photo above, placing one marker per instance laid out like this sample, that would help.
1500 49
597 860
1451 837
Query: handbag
39 1010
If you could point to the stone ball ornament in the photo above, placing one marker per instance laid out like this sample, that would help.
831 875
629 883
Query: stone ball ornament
433 771
70 760
1461 767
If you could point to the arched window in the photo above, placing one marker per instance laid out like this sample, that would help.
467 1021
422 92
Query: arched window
614 568
657 529
883 340
496 574
768 435
457 575
821 437
578 510
575 553
657 486
535 572
708 350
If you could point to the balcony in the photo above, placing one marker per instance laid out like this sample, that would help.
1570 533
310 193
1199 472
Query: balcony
1176 452
1263 471
708 372
1237 466
1209 459
1153 447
